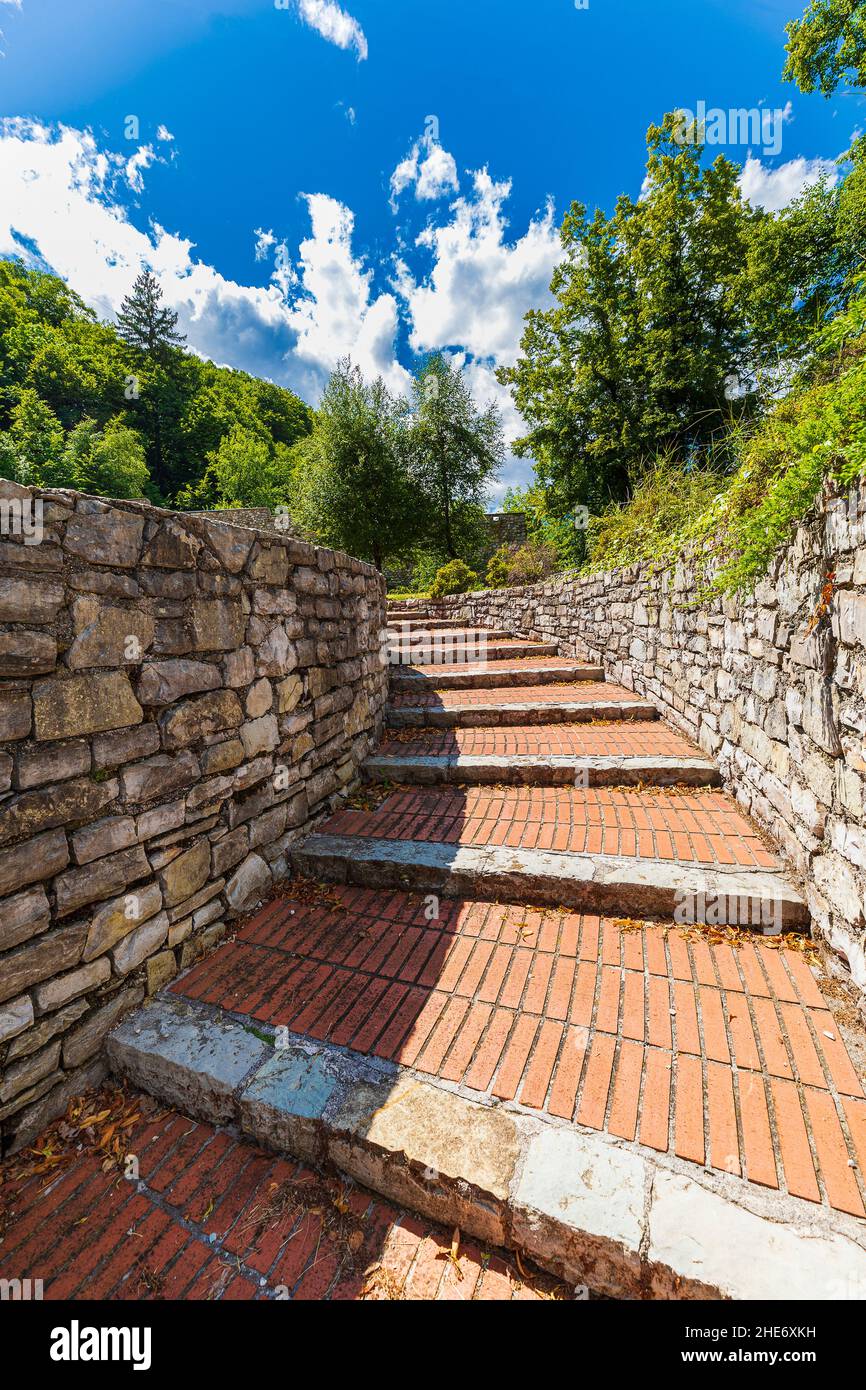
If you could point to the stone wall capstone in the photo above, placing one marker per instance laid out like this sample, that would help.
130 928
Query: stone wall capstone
772 684
180 699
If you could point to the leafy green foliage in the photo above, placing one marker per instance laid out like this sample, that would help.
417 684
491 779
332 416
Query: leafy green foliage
109 462
351 483
676 321
396 482
59 367
827 46
737 522
522 564
817 433
655 523
649 326
453 578
455 449
244 470
31 450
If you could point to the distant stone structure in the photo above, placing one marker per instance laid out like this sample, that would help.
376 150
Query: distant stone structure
259 518
506 528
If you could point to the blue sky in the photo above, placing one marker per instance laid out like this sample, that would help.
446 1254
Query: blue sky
374 177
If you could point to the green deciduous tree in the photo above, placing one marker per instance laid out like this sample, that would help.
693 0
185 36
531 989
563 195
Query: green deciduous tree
109 462
648 330
455 449
246 470
827 46
352 488
31 450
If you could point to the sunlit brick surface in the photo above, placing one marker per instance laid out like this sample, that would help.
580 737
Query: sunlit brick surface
697 827
725 1056
215 1217
643 738
584 692
550 663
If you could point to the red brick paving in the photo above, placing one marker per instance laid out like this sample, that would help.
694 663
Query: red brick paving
218 1218
582 692
502 665
697 827
723 1055
643 738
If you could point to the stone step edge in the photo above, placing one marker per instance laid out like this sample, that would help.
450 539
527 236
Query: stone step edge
483 679
471 653
415 619
588 1208
509 715
542 770
613 885
462 630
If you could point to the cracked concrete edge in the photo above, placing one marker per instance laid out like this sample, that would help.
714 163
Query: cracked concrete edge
591 1209
471 716
723 893
548 770
477 677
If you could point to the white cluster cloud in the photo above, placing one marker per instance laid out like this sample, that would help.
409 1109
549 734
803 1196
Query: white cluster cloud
135 167
62 205
335 311
63 196
67 197
334 24
773 189
427 166
265 241
479 286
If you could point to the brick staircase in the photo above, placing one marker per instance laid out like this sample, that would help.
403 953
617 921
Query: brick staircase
491 996
624 816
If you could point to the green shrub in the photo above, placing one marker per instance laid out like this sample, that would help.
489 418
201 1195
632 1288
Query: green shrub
815 434
522 564
497 567
654 523
453 578
531 562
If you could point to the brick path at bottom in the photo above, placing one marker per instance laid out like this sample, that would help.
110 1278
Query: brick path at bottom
215 1217
718 1047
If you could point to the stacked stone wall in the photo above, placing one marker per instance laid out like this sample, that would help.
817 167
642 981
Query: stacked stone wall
772 684
180 700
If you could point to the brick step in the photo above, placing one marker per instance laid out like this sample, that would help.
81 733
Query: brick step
456 716
447 632
727 895
487 676
586 1206
431 624
423 653
551 770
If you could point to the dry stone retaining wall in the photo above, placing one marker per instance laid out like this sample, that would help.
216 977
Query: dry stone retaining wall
180 698
772 684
